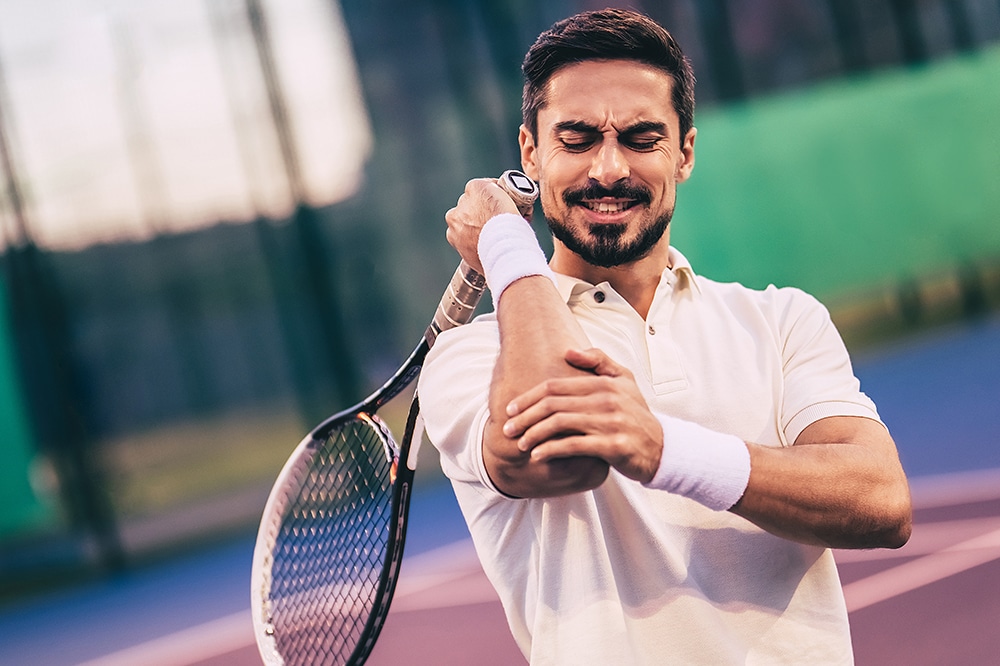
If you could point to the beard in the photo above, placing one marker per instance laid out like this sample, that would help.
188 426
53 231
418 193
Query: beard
605 245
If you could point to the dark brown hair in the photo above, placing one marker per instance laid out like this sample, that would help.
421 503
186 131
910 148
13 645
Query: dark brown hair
607 34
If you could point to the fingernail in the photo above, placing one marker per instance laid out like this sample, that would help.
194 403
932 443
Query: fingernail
508 429
511 409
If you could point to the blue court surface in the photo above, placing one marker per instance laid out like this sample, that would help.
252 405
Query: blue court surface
939 393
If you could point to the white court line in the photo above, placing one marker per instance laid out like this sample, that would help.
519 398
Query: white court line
955 488
188 646
922 571
233 632
436 567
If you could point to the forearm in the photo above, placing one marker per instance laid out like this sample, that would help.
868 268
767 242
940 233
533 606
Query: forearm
840 486
536 330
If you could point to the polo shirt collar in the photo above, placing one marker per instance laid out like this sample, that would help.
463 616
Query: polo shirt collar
683 273
682 269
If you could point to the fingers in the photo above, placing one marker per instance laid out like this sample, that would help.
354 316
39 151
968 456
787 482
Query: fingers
578 404
597 362
550 389
592 360
550 416
630 443
602 415
482 200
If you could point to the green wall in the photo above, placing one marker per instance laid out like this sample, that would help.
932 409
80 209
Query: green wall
20 508
850 186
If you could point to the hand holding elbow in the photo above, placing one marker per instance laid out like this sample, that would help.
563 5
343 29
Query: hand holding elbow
516 474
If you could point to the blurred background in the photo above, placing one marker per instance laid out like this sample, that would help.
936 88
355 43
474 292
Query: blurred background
222 220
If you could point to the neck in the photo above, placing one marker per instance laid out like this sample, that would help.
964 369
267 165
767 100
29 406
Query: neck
636 282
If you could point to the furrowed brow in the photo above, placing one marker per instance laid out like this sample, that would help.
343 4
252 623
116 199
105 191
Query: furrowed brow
576 126
640 127
645 126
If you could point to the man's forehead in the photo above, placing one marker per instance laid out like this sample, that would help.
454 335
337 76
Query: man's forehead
605 93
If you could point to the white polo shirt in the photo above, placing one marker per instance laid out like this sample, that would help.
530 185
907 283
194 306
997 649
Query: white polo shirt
628 575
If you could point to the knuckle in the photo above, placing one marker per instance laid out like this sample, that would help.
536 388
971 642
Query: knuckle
550 387
619 443
558 420
610 403
609 384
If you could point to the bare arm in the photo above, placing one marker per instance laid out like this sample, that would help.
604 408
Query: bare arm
536 330
841 484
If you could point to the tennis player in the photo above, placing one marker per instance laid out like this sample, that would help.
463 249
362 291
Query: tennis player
653 465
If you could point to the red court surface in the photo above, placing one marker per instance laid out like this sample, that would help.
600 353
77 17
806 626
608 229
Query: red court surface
934 601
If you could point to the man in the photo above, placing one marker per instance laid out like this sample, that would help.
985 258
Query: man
653 466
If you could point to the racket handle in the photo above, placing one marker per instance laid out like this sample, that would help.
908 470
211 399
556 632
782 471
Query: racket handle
467 284
521 189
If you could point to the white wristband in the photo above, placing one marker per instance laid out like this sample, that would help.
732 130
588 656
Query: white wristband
707 466
509 251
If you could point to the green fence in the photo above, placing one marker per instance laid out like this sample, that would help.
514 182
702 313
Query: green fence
851 186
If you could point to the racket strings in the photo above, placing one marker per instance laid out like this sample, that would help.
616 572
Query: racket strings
330 547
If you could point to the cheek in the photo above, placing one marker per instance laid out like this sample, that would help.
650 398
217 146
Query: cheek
669 192
551 187
551 201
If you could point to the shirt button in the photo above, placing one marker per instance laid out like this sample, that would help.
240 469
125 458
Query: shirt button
599 296
652 331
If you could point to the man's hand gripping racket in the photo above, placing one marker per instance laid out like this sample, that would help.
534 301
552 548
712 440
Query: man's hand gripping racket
330 542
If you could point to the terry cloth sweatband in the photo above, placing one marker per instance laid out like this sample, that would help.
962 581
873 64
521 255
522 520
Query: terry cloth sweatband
707 466
509 251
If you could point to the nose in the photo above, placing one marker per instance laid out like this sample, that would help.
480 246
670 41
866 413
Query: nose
610 164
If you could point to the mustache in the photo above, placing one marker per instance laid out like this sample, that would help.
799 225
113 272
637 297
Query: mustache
593 190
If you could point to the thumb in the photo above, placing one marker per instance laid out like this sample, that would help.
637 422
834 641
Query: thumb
594 360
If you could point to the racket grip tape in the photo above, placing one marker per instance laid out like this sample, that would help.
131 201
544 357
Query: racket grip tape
467 285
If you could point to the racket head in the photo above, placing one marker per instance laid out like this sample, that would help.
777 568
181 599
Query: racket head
330 543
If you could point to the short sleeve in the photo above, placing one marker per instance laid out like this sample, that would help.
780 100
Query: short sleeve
454 390
819 380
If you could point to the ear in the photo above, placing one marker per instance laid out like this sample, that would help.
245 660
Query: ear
686 164
529 153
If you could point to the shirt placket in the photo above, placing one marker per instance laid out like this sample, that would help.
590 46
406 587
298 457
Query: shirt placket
666 369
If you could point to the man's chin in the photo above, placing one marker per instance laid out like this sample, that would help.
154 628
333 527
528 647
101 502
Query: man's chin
607 232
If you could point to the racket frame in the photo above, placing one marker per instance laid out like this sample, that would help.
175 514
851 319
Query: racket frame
298 464
456 308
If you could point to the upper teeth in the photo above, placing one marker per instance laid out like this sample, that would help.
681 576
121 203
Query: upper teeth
603 207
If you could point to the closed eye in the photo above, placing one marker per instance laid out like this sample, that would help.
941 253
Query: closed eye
643 136
579 137
577 145
576 136
641 145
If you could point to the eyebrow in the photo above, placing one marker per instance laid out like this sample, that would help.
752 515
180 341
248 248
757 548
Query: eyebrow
587 128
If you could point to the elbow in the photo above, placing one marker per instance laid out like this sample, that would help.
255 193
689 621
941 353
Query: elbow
522 478
888 534
892 522
515 474
901 535
879 518
564 476
899 525
899 513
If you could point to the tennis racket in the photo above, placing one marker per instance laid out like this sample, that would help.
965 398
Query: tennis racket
331 538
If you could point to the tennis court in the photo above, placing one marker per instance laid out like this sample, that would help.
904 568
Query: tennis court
935 601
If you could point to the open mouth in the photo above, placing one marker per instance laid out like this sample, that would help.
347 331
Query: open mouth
608 201
610 207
